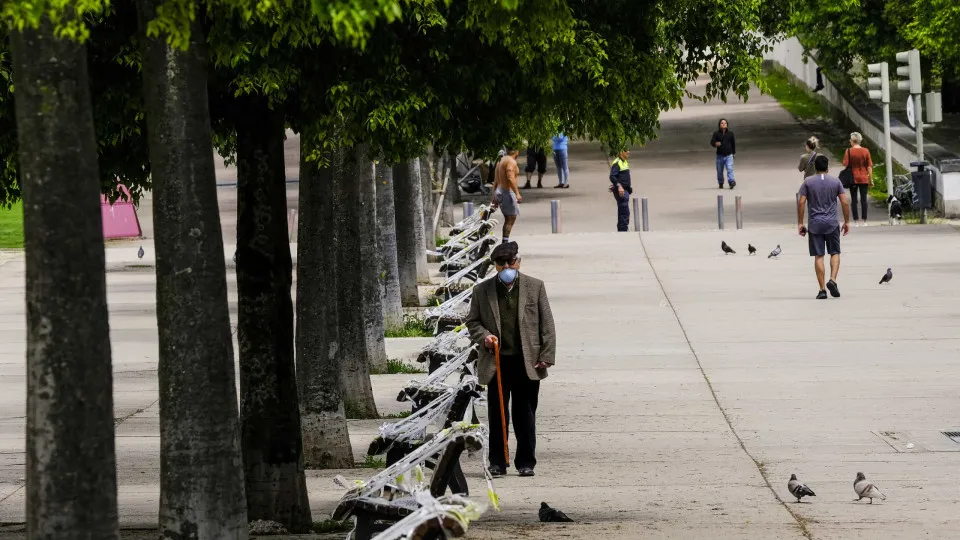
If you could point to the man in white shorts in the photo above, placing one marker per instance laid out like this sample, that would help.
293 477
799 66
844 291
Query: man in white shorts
506 191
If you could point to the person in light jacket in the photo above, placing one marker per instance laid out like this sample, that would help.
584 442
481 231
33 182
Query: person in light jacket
560 160
512 310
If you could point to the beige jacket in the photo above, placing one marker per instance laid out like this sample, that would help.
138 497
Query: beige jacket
538 338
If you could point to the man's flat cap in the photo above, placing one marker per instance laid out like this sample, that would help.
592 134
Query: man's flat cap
504 253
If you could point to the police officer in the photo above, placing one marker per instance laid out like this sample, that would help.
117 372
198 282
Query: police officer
620 178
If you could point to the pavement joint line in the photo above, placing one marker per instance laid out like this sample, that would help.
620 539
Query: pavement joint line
122 419
800 520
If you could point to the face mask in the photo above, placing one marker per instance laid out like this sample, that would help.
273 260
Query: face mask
508 275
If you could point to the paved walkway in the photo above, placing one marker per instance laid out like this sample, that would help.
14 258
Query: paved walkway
689 385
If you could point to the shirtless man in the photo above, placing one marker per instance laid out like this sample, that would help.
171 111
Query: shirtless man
506 190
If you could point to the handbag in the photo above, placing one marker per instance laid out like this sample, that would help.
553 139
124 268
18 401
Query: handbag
846 175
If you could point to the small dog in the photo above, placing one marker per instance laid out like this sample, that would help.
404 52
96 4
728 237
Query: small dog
896 211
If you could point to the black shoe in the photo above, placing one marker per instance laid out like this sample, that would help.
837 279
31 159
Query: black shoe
733 185
539 185
558 186
565 186
525 186
822 295
834 290
497 471
720 186
526 471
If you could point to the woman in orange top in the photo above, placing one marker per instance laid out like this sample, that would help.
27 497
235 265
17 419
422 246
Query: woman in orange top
858 160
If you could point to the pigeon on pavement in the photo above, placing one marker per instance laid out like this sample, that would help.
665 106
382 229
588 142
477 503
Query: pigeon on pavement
887 277
726 248
751 249
799 490
140 253
866 490
552 515
775 253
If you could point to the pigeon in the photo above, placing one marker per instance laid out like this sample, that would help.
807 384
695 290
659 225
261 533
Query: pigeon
775 253
866 490
887 277
552 515
140 253
751 249
799 490
726 248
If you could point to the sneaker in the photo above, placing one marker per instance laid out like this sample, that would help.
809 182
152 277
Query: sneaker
834 290
864 223
497 471
526 471
822 295
720 186
733 185
558 186
565 186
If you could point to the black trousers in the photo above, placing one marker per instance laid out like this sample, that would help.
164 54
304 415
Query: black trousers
623 211
863 189
520 396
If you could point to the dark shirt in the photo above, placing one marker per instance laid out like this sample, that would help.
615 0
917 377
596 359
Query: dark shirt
822 192
728 143
509 303
620 175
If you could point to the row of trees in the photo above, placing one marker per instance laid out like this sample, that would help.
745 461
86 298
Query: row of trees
142 93
841 31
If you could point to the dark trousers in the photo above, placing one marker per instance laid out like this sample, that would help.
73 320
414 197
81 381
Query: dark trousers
522 394
863 189
623 211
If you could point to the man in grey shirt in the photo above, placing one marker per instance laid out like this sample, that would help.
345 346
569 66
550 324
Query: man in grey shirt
823 228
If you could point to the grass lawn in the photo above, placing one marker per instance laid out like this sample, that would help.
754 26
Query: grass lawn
806 108
11 226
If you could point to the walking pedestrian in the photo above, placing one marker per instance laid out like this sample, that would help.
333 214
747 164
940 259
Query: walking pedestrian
823 229
512 309
536 160
726 145
858 160
506 195
807 165
621 188
560 160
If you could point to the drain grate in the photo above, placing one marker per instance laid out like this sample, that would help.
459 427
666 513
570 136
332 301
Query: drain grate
952 435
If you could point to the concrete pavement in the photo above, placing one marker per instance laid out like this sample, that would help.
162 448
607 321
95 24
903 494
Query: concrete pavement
689 384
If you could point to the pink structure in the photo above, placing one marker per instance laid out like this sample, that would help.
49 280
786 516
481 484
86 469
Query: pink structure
120 218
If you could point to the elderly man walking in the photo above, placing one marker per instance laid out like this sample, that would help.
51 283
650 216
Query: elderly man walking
512 311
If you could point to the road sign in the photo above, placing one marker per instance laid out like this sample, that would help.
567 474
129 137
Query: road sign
911 116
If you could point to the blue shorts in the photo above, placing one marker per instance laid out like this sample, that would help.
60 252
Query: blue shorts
822 244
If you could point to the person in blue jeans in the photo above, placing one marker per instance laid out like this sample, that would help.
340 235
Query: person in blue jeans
621 188
726 145
560 160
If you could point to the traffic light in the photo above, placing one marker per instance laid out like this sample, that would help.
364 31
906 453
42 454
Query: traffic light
879 87
911 71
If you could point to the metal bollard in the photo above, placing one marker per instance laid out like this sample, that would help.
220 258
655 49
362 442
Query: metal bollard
556 221
646 215
636 215
720 212
739 207
467 209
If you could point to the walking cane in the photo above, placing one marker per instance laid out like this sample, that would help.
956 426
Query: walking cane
503 415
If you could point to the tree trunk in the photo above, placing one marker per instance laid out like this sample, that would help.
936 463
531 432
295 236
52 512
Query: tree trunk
429 233
269 415
71 470
350 170
406 186
372 262
950 88
326 443
386 220
201 474
447 198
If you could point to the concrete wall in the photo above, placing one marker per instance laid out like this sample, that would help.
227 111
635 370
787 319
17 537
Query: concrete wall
867 116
